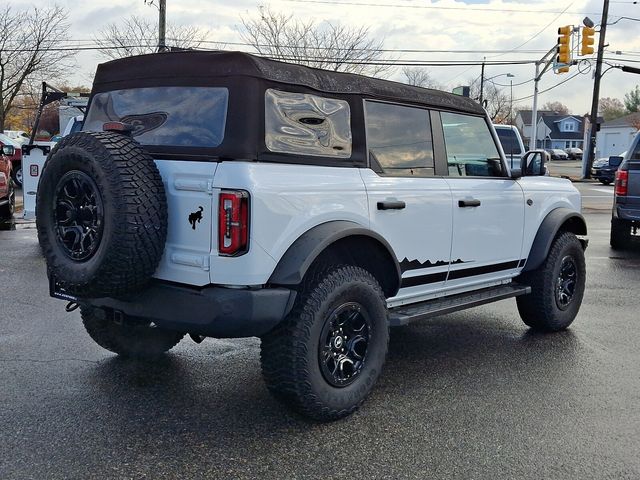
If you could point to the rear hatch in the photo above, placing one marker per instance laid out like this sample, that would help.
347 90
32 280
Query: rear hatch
174 123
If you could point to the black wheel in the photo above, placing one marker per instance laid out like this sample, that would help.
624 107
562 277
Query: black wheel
325 357
17 175
557 286
101 214
620 234
129 337
605 181
7 211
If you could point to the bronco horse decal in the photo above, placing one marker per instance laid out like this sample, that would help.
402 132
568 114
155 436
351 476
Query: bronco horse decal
195 217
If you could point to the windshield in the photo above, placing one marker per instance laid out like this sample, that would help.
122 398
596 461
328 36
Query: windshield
509 141
168 116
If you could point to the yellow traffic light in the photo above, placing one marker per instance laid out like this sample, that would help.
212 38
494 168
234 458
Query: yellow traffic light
587 41
563 58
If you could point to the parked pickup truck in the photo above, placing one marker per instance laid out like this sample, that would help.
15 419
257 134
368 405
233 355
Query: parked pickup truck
625 218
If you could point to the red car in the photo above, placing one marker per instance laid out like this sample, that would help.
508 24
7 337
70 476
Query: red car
7 192
16 158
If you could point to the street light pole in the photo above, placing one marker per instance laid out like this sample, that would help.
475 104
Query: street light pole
482 85
162 26
596 91
511 103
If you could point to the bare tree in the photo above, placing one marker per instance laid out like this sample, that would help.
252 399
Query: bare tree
137 36
321 45
420 77
555 106
497 103
31 45
611 108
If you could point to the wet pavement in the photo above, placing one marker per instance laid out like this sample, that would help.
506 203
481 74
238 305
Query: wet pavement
468 395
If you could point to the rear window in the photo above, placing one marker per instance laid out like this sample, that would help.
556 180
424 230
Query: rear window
509 141
167 116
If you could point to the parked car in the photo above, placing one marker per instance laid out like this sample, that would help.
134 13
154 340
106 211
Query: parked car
557 154
511 142
604 169
310 208
625 217
7 192
16 158
574 153
19 136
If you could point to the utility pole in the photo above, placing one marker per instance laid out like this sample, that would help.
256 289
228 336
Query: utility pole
596 90
162 26
482 85
545 62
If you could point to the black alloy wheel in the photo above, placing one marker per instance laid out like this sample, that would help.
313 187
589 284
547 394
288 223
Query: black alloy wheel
566 283
343 344
78 211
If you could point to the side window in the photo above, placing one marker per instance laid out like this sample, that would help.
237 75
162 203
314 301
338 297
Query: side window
635 155
471 150
399 139
306 124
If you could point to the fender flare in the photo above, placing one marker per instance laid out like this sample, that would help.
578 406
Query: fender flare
548 230
295 262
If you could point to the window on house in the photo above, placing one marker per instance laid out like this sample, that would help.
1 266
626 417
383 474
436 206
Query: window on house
399 139
569 127
307 124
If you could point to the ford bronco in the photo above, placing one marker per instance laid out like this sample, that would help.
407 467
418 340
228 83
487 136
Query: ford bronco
220 194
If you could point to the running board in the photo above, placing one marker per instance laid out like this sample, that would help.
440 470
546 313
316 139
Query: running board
431 308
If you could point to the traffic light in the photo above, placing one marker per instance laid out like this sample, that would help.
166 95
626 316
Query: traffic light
564 49
587 41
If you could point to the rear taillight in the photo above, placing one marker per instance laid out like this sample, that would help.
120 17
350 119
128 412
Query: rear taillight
622 179
233 222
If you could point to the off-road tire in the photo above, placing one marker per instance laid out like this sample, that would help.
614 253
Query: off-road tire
290 353
540 309
133 221
18 175
620 234
129 337
7 211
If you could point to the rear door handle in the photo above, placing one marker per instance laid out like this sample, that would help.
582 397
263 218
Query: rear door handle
473 202
391 205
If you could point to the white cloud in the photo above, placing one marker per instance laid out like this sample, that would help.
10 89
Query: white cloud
471 26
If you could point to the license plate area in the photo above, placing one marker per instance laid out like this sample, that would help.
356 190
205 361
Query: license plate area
56 291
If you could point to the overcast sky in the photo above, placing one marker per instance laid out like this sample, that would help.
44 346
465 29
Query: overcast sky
479 25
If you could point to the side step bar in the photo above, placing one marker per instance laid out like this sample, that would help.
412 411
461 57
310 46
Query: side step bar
431 308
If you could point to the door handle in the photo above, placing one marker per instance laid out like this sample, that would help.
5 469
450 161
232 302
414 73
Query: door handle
469 203
391 205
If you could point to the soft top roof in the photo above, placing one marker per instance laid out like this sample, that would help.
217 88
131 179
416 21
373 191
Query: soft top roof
200 67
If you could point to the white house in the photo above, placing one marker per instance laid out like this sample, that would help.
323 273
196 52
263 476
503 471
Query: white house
560 131
615 136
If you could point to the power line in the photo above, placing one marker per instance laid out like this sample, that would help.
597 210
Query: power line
439 7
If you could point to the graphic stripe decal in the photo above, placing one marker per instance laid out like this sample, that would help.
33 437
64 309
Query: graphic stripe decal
461 273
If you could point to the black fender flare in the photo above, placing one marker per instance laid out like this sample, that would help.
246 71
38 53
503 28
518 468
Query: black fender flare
296 261
548 230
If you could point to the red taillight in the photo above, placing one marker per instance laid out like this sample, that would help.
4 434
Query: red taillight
622 179
233 222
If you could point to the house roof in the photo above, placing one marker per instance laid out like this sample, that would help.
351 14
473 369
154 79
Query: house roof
626 121
527 114
553 121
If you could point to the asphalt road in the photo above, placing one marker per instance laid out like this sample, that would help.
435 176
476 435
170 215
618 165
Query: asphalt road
471 395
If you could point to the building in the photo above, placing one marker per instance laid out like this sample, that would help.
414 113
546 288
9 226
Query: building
523 123
560 131
615 136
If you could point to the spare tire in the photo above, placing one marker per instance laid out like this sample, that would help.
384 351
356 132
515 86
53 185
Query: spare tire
101 214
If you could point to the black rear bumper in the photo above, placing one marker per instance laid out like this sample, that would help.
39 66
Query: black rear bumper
210 311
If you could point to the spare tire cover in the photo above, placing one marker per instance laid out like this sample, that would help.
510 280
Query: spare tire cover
101 214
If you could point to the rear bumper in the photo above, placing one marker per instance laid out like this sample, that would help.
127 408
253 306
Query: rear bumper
211 311
626 213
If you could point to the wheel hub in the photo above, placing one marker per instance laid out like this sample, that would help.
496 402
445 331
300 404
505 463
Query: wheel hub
78 215
566 282
343 344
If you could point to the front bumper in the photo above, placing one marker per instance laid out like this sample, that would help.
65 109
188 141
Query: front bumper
211 311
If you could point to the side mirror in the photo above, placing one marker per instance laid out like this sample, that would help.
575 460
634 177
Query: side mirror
533 163
8 150
516 173
615 161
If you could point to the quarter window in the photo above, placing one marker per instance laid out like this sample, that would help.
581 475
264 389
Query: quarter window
305 124
399 139
471 150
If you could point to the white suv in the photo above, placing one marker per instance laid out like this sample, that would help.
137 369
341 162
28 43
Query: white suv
225 195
